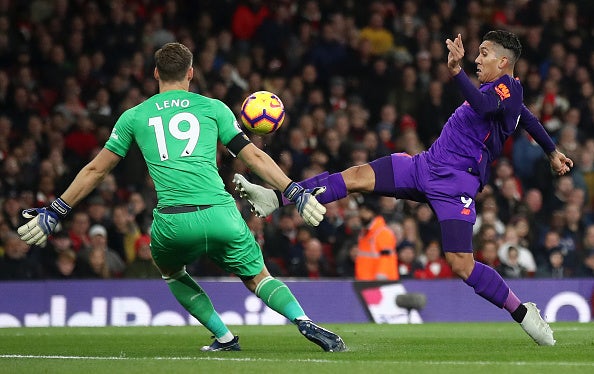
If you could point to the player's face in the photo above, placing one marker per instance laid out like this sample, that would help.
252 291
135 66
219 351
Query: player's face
488 62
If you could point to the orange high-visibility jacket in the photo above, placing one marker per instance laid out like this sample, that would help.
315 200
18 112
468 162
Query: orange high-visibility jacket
376 258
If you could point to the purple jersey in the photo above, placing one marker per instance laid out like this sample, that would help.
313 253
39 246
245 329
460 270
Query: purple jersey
475 133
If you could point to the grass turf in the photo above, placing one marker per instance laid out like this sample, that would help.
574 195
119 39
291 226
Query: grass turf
428 348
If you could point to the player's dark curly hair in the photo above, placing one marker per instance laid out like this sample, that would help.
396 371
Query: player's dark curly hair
507 40
173 61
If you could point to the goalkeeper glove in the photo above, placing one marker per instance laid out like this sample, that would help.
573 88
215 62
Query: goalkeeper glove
42 222
305 200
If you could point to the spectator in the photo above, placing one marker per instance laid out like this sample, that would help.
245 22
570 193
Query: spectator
123 233
105 262
586 269
97 264
526 238
527 158
551 242
532 207
346 233
407 96
555 267
408 263
246 19
431 119
511 267
280 238
435 266
558 198
143 215
296 251
54 264
486 233
346 258
508 199
312 264
410 233
11 211
78 232
376 257
429 229
489 214
381 39
18 263
98 211
523 257
487 254
65 266
142 266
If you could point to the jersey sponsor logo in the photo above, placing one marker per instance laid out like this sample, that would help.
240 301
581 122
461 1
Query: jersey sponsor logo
114 135
502 90
466 201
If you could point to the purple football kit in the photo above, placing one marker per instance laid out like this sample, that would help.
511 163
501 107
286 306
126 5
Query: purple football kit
456 166
453 170
449 175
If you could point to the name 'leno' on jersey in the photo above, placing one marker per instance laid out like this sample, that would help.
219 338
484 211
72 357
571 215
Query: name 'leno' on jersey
173 103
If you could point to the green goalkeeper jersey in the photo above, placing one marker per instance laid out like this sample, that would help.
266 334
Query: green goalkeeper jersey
177 133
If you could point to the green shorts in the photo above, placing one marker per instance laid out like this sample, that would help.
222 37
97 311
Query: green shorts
218 232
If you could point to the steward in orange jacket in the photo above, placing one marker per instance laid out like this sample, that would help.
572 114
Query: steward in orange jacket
376 258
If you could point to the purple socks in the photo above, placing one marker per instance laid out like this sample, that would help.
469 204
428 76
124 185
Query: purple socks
489 284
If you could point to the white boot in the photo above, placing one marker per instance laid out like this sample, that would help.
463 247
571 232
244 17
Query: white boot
263 200
536 327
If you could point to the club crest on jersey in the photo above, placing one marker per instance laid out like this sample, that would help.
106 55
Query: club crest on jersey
502 90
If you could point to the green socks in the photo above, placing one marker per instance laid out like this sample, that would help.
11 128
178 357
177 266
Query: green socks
279 298
189 294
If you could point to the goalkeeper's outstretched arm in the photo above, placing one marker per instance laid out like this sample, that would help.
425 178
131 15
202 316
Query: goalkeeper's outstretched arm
304 199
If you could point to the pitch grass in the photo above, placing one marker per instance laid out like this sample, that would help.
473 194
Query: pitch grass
428 348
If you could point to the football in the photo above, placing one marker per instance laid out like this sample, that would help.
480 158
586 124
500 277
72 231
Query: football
262 112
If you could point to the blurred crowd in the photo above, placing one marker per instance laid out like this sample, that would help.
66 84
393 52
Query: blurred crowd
359 80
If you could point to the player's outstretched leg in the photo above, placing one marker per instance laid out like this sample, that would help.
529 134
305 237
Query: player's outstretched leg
263 200
489 284
191 296
536 326
326 339
276 295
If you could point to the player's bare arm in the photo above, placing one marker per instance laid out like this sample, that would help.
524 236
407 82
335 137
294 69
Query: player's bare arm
43 221
90 176
258 161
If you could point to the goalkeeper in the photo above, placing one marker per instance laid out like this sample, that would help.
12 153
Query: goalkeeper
177 132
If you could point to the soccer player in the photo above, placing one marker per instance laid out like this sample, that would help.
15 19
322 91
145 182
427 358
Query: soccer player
177 132
449 174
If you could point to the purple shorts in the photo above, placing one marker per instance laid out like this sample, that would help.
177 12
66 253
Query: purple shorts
450 192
